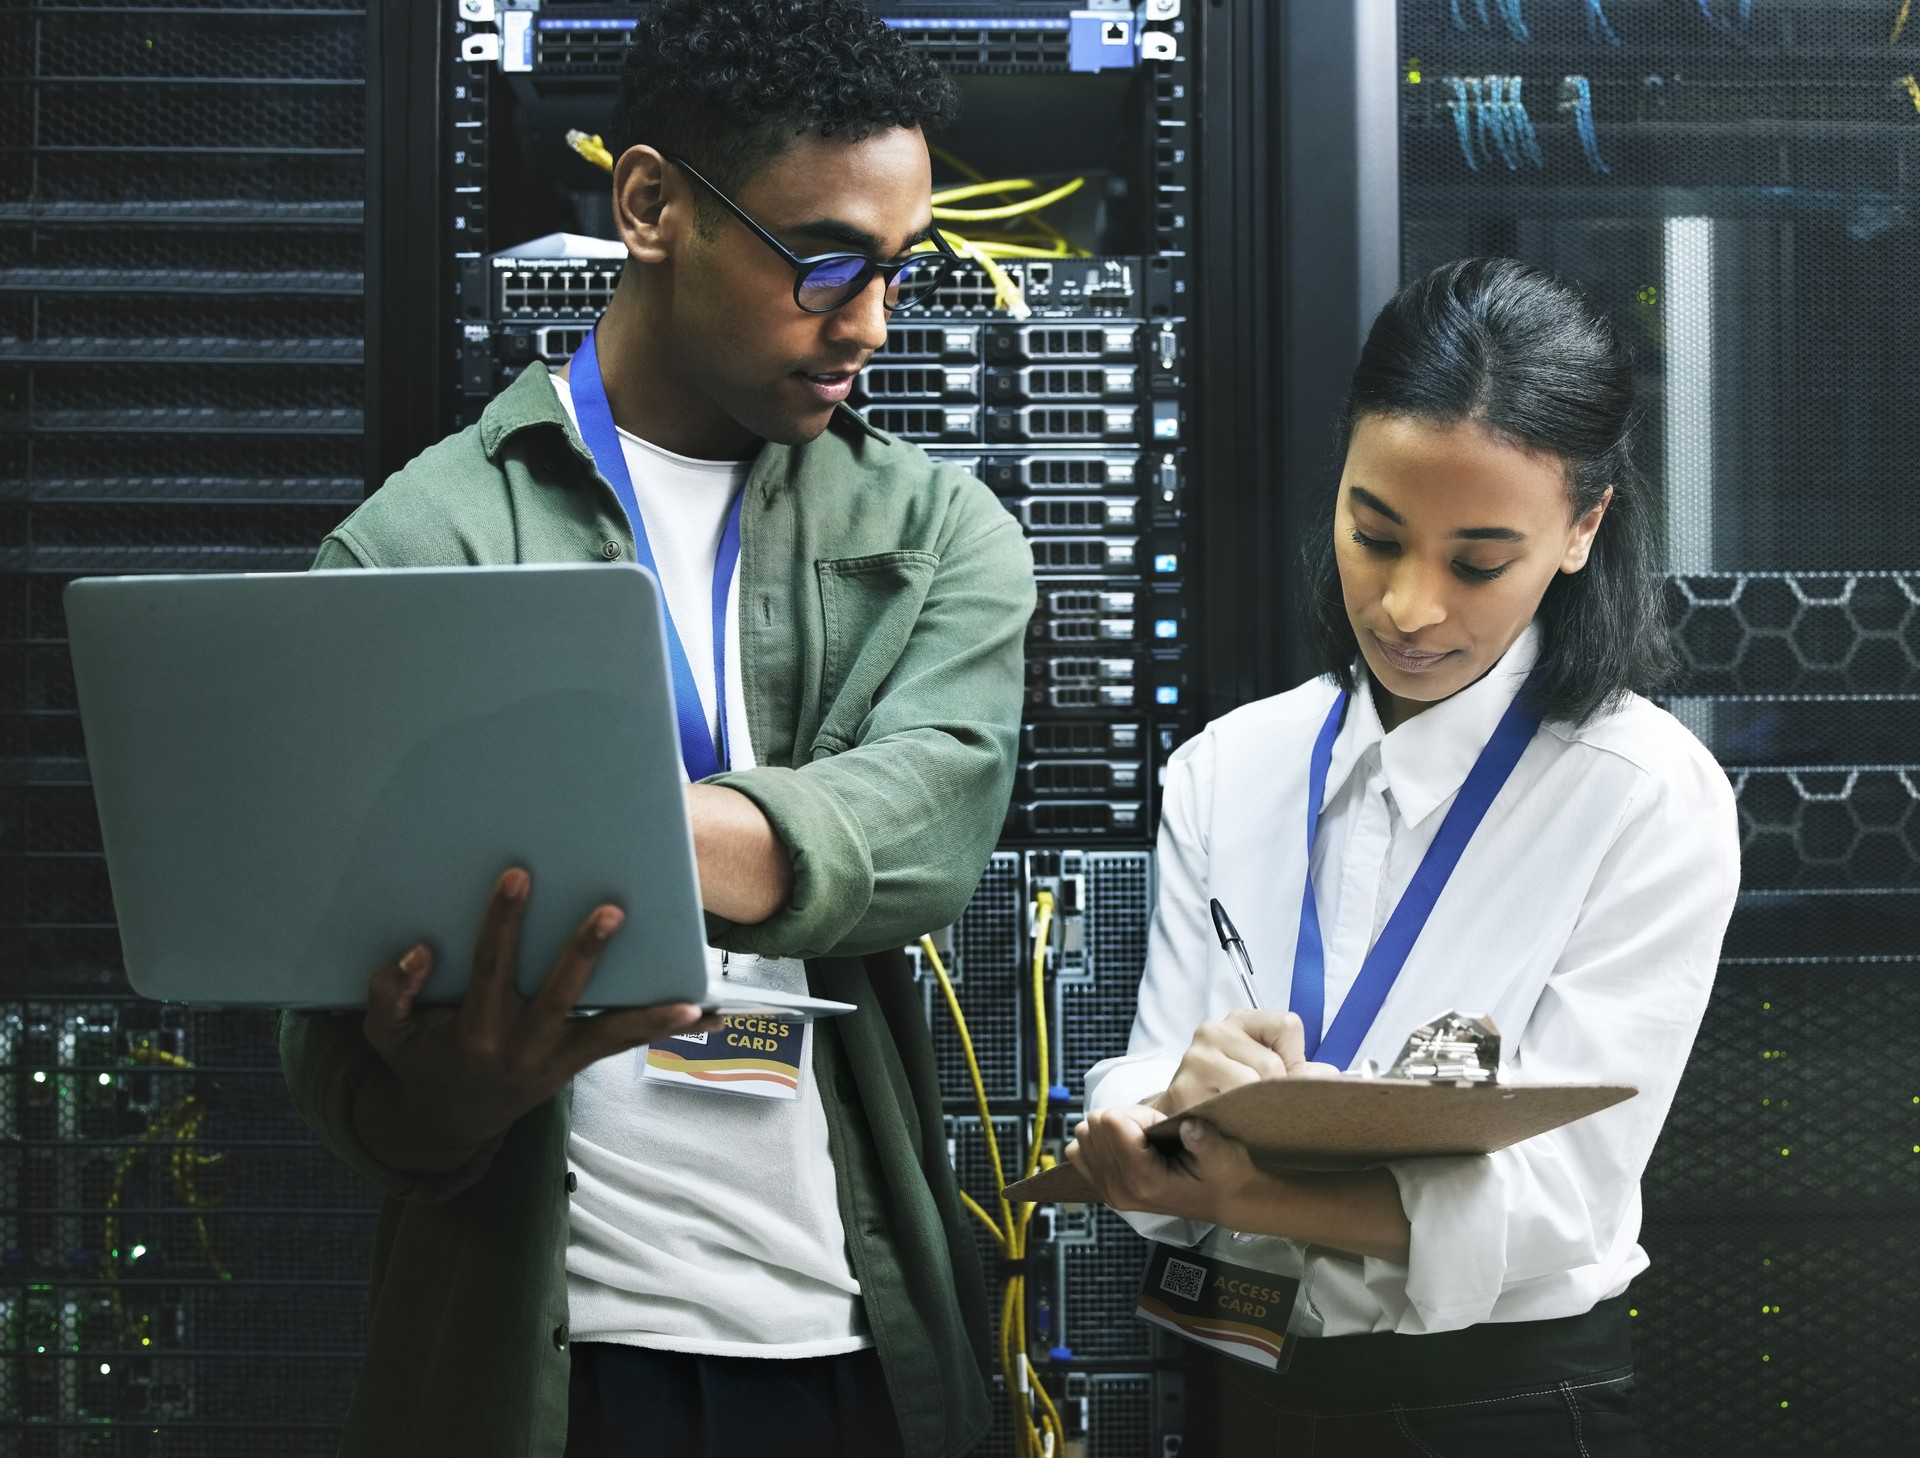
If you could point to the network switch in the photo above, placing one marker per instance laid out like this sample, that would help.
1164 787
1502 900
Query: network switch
1072 818
1067 470
927 424
1041 383
1099 556
1076 514
942 343
1051 288
1080 736
937 383
1036 424
536 290
1082 777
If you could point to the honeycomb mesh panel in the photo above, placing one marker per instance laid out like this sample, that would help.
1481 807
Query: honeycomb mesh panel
200 47
1732 184
987 941
1097 1013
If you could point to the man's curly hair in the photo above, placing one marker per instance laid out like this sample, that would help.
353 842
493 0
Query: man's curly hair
729 84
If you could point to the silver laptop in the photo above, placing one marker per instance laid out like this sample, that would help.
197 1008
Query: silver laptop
300 776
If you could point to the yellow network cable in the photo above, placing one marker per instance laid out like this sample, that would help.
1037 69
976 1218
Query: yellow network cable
1913 89
183 1122
591 147
973 174
943 212
1900 22
1024 1389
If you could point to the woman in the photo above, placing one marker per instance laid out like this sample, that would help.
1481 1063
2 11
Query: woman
1489 579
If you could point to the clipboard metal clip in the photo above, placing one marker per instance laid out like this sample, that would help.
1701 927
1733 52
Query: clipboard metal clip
1460 1048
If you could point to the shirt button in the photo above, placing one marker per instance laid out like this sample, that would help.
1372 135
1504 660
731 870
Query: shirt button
573 1182
560 1337
611 551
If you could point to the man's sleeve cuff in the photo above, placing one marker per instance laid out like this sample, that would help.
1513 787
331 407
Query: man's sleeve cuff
832 867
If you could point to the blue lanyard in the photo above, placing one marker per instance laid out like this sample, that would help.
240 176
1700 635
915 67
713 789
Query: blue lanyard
698 750
1382 966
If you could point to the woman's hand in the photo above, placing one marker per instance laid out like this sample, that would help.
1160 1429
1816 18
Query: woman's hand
1217 1182
1110 1148
1243 1047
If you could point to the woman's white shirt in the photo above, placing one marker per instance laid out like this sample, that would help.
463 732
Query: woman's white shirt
1585 916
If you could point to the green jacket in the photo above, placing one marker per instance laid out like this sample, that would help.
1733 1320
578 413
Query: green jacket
883 603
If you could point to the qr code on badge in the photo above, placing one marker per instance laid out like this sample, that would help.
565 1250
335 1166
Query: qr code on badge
1184 1279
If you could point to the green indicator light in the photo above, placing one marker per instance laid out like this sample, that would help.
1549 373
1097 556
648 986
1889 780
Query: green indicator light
1633 1311
1766 1007
1783 1404
1785 1152
1765 1358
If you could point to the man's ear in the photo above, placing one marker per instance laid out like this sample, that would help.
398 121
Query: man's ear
649 200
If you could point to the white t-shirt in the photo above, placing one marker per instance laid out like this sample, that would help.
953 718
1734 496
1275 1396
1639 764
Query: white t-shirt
1585 916
704 1222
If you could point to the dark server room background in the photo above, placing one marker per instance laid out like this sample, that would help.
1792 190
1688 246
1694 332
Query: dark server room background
254 255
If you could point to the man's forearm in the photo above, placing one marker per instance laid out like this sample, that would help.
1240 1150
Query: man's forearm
746 874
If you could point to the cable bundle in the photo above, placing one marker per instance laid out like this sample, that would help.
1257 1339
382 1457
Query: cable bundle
1509 15
1490 118
176 1128
1038 1434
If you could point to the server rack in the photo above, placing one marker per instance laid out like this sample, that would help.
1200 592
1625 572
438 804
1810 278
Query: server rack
1734 182
1123 423
182 1269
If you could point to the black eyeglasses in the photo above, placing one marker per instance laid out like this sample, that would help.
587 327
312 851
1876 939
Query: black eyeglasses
825 281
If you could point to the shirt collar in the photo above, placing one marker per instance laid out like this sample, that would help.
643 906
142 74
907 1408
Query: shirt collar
1428 758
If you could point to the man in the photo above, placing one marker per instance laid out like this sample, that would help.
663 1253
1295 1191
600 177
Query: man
576 1254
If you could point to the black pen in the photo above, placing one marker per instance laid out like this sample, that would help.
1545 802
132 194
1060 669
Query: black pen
1230 942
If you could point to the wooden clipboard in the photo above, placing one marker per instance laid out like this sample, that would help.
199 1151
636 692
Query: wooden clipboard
1343 1123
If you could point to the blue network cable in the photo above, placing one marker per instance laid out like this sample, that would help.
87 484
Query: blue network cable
1523 124
1499 124
1516 25
1458 106
1509 14
1597 26
1581 102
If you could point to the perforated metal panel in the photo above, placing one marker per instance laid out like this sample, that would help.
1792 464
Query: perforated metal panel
182 1269
1733 183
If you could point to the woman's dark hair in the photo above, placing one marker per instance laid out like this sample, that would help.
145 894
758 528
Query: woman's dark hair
729 84
1527 356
